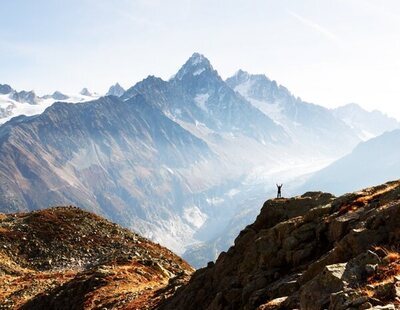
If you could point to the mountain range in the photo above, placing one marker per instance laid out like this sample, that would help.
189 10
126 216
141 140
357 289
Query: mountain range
182 161
14 103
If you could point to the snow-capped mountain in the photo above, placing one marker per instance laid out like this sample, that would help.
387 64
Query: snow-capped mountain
198 96
14 103
57 95
366 124
306 123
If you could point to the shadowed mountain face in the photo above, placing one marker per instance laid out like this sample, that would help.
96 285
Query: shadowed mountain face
109 156
115 90
371 162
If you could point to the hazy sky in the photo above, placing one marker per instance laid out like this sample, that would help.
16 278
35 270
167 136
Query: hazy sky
326 52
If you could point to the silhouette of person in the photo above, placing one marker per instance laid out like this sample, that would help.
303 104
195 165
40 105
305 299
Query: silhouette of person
279 195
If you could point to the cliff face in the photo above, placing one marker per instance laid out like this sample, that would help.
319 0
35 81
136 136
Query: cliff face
66 258
309 252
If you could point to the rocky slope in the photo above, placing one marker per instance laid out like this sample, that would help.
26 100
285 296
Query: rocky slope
314 251
66 258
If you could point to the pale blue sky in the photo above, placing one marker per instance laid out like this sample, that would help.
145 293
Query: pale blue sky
326 52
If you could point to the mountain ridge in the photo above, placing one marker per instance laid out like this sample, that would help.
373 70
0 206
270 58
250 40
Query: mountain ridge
64 257
314 251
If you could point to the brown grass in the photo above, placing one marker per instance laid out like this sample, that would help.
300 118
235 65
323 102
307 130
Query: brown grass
388 270
355 205
365 199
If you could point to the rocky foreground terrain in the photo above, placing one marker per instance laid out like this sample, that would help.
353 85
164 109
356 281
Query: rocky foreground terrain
66 258
314 251
310 252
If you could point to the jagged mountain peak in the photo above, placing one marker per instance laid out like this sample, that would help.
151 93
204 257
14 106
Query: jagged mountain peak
25 96
256 86
150 83
196 65
197 59
85 92
57 95
241 77
152 79
116 90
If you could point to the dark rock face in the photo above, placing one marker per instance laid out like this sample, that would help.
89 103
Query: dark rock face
64 258
59 96
116 90
56 96
5 89
25 96
309 252
85 92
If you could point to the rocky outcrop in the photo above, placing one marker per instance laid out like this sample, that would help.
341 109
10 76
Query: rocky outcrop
309 252
66 258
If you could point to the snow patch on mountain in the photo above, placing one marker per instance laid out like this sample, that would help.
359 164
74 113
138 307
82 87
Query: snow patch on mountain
199 71
10 107
196 65
201 100
194 216
274 110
